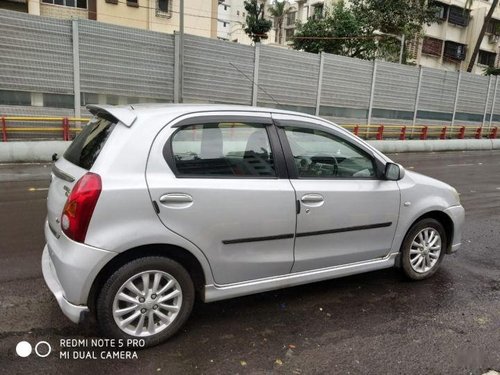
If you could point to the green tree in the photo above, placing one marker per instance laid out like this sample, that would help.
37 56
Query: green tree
340 32
491 71
396 17
279 10
487 20
257 26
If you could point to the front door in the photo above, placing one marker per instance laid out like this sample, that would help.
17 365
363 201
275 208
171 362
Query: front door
218 183
347 213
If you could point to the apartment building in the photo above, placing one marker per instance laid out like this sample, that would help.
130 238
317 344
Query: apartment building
302 10
200 16
448 44
231 22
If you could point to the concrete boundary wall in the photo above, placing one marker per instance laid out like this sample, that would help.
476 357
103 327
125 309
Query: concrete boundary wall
436 145
38 152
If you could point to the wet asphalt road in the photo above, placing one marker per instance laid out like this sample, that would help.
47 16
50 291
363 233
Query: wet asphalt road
377 323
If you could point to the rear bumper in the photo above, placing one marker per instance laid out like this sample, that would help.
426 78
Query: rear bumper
69 269
457 215
73 312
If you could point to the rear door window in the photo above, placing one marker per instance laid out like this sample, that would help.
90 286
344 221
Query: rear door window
222 150
86 147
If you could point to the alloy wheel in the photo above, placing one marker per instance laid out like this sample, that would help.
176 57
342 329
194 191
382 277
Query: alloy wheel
425 250
147 303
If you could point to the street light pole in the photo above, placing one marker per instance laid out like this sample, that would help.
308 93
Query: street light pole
401 48
181 51
398 37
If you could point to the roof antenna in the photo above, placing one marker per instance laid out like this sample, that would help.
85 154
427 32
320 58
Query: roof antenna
256 84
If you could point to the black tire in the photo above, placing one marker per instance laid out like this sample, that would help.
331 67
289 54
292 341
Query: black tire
421 225
105 300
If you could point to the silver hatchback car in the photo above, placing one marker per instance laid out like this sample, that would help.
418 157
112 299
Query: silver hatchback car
153 204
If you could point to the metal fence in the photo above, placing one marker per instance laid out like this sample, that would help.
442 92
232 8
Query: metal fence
54 67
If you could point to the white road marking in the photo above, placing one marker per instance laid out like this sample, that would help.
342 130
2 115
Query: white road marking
459 165
38 189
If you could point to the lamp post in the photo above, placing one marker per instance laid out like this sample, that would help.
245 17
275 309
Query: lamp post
181 51
398 37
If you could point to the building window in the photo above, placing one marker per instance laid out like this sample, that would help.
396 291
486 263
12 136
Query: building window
69 3
163 8
458 16
289 34
432 46
454 51
133 3
224 24
290 18
493 28
487 58
237 12
441 9
317 12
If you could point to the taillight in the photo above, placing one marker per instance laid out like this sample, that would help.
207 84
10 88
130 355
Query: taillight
80 205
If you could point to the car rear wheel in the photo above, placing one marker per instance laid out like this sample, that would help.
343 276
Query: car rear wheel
148 298
423 249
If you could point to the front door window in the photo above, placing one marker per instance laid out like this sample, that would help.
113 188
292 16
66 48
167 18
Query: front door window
318 154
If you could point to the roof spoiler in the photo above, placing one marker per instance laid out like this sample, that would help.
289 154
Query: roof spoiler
122 114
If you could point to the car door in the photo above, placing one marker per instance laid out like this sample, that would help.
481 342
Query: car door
220 181
348 213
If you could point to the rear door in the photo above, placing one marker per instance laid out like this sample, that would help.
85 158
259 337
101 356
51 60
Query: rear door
220 182
76 161
348 213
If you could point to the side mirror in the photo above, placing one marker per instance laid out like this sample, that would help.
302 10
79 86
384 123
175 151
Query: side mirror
393 172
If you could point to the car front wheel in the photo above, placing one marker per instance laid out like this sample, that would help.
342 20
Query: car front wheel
423 249
148 298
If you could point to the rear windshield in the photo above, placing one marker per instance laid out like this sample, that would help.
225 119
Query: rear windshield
86 147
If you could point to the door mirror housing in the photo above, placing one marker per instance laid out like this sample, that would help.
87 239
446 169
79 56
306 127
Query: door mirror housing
394 172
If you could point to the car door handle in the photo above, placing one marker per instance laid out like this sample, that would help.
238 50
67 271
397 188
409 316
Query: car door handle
312 198
174 198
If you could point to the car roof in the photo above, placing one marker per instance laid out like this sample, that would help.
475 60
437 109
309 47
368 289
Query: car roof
127 114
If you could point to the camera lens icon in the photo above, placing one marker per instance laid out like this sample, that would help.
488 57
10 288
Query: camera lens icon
42 349
23 349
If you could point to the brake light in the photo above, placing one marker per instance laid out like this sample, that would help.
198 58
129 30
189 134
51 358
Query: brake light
80 205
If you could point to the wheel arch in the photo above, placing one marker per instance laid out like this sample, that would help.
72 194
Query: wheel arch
176 253
443 219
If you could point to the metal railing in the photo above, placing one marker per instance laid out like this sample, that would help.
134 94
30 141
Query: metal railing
422 132
65 128
40 127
